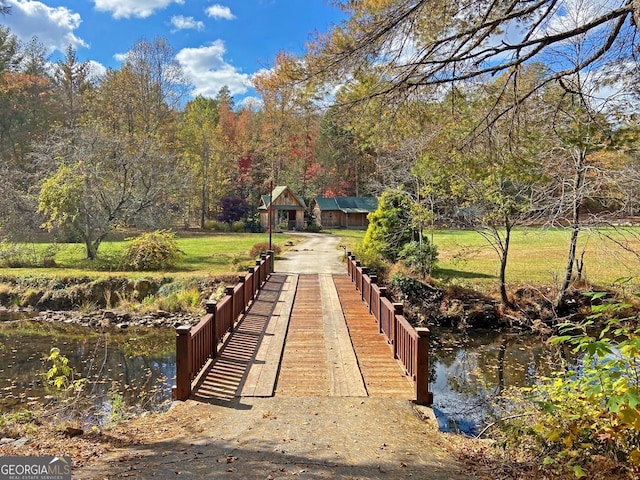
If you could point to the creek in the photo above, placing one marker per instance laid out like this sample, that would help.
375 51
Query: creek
469 370
126 371
133 370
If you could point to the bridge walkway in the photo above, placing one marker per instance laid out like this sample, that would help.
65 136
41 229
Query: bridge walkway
305 335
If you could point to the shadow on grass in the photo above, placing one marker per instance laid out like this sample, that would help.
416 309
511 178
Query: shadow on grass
448 273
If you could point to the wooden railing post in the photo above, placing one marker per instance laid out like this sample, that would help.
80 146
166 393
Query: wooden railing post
383 294
423 395
183 363
229 292
271 260
398 309
365 271
253 283
241 279
374 281
257 276
211 310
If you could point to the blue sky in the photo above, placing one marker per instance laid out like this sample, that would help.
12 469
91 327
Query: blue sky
218 42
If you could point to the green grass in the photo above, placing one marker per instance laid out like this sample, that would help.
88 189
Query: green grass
204 254
537 256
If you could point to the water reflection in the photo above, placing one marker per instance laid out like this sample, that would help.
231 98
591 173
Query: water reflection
131 369
468 371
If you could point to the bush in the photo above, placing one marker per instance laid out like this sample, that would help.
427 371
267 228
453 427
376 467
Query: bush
263 247
15 255
389 226
587 416
217 226
151 251
376 264
238 226
419 257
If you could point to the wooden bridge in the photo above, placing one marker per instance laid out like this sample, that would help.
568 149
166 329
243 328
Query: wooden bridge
302 335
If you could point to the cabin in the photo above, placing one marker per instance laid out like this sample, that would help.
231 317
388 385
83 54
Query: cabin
344 212
287 210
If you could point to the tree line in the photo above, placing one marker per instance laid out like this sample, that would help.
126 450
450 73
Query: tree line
471 138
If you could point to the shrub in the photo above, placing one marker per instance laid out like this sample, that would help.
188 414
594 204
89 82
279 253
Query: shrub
238 226
389 226
419 257
151 251
376 264
588 414
263 247
181 301
216 226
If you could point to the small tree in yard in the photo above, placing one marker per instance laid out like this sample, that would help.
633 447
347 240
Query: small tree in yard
233 209
100 182
389 226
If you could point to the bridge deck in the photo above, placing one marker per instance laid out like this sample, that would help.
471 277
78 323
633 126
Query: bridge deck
305 335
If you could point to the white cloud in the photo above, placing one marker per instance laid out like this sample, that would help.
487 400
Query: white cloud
133 8
221 12
96 69
206 68
54 26
253 103
186 23
120 57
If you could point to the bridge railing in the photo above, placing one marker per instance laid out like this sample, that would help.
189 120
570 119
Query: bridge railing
410 345
196 345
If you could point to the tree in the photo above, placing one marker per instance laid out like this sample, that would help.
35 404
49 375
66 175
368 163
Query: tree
389 226
199 122
290 126
414 44
73 83
100 183
27 111
233 209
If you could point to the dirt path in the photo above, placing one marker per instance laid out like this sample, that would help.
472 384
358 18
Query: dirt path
317 253
273 438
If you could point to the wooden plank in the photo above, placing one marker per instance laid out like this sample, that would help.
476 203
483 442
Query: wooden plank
345 379
383 375
304 367
228 371
262 375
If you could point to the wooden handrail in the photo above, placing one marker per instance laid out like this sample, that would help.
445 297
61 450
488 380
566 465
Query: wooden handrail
410 345
196 345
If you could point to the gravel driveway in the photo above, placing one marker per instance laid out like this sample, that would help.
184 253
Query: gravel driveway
317 253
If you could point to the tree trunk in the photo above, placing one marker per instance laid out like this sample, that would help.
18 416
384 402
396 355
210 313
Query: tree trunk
503 266
575 226
205 180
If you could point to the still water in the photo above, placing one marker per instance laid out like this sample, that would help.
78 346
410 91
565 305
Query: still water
131 370
134 369
469 371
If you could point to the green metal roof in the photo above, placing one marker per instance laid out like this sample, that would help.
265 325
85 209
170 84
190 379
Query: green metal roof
348 204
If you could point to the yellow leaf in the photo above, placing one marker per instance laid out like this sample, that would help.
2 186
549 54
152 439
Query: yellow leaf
554 436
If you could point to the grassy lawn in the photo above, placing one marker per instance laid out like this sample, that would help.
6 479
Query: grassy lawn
537 256
204 254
